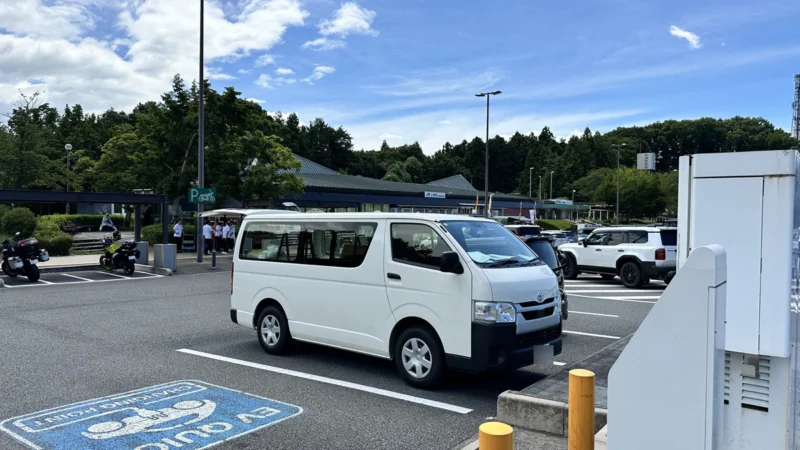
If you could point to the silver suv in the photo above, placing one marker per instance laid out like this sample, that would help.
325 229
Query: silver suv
635 254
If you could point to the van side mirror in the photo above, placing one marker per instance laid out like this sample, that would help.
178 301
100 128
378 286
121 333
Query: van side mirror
585 242
450 263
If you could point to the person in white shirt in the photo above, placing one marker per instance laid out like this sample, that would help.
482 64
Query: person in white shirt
217 235
207 236
231 236
177 232
225 230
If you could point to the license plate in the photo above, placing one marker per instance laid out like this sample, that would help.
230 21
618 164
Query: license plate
18 264
34 261
543 354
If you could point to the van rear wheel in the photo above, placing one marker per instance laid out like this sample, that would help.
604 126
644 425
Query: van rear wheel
419 357
273 331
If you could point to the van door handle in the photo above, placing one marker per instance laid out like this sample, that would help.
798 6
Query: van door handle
393 276
620 251
598 249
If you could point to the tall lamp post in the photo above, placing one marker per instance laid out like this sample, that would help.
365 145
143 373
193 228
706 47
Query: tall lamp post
530 179
551 183
201 143
540 187
618 146
573 204
68 148
486 166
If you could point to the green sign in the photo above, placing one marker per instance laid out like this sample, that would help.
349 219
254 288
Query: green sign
204 195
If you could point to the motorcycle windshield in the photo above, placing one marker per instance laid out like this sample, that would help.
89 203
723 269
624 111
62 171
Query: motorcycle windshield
113 248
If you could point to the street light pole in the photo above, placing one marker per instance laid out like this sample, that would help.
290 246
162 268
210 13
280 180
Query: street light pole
201 143
530 179
573 204
617 146
551 183
486 165
540 187
68 148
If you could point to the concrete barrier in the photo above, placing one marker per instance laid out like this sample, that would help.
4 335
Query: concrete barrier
539 414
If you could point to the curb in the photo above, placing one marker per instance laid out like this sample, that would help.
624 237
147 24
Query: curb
538 414
154 270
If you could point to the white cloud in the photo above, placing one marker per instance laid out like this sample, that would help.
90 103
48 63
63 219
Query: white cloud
439 82
216 73
156 38
256 100
324 44
390 137
282 80
242 71
445 122
284 71
349 19
264 81
265 60
691 38
318 73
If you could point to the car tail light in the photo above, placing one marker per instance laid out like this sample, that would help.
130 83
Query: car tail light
661 254
231 278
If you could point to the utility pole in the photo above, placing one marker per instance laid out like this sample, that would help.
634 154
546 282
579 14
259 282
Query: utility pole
617 146
486 165
540 187
530 179
551 183
68 148
201 143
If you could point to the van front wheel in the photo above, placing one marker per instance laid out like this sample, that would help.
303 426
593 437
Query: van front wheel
419 357
273 331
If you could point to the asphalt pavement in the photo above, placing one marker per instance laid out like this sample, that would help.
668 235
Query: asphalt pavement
72 342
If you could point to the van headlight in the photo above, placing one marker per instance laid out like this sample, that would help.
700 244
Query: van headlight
493 312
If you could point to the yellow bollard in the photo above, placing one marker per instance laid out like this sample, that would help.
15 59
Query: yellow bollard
495 436
580 435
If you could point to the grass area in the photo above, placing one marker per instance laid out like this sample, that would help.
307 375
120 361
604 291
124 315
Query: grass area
554 224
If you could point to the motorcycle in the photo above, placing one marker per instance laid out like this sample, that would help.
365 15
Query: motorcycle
21 257
119 255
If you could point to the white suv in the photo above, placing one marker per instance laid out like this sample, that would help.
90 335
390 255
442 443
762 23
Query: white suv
635 254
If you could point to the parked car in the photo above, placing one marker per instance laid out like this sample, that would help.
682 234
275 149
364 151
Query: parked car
542 245
525 230
559 237
635 254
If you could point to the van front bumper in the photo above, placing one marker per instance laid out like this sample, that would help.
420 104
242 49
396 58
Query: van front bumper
498 347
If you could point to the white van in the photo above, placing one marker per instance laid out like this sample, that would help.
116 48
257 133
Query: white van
428 291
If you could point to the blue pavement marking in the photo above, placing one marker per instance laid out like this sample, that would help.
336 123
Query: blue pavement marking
183 414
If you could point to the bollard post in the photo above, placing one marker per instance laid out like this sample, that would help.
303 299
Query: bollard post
495 436
214 258
580 434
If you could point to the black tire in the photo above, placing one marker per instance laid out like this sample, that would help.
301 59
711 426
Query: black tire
631 275
32 272
667 280
571 268
7 270
105 263
273 316
607 277
129 268
412 340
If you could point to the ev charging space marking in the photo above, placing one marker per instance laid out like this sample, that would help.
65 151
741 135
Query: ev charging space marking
613 316
184 414
331 381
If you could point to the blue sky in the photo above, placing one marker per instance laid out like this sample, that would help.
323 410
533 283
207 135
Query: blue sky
407 70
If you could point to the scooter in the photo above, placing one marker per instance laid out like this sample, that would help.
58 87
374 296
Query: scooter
21 257
119 255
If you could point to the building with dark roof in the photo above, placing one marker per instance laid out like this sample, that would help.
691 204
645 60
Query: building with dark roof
327 190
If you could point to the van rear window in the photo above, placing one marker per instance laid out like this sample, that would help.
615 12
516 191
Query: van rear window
341 244
669 237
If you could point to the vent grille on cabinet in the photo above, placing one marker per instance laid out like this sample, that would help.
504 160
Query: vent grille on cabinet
755 391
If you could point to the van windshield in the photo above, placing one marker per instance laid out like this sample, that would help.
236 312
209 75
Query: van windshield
490 244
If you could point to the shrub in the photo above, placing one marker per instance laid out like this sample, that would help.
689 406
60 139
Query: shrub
3 210
57 243
19 220
152 233
554 224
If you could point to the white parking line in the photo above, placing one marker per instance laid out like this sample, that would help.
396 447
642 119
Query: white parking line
333 381
559 363
114 275
595 314
616 299
77 277
613 291
590 334
595 285
45 282
80 282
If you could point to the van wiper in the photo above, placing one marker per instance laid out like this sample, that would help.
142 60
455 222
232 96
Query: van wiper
510 261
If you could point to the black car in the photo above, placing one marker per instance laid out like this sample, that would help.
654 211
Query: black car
542 245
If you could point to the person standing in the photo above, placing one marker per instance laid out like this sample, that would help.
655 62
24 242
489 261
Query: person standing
231 236
225 230
177 231
217 235
207 236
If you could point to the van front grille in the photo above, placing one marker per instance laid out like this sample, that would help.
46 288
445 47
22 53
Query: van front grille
539 313
530 304
538 337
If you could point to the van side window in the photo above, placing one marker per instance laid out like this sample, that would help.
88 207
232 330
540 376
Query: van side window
417 244
268 241
341 244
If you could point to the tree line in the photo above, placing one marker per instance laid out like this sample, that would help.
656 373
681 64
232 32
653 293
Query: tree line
248 152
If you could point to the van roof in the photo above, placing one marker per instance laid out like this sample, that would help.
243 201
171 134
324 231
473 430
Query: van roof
363 216
648 229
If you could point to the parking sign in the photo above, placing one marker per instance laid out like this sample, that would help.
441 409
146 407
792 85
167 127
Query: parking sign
204 195
646 161
183 414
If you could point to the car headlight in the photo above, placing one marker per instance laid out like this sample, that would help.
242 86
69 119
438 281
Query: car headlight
493 312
